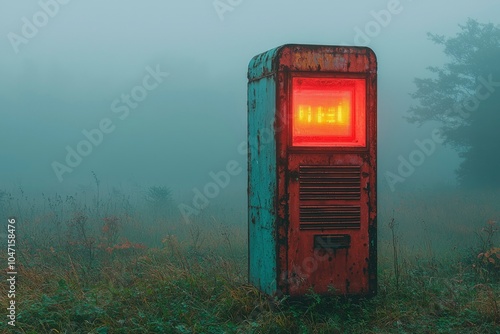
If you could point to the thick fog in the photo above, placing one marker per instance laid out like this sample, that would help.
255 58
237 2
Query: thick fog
165 83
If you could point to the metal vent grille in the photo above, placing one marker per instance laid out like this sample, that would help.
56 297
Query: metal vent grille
330 182
322 217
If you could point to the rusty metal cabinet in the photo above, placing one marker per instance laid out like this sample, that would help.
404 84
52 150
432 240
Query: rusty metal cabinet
312 146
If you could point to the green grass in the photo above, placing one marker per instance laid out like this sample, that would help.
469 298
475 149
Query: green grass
79 273
153 292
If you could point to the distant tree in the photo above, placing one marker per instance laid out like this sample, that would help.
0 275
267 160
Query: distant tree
463 97
160 199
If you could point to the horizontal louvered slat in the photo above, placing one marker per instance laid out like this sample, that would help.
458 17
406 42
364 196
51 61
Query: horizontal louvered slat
329 182
321 217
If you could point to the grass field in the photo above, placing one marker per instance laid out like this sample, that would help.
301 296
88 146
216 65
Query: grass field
122 264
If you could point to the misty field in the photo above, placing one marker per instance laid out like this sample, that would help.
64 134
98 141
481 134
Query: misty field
113 262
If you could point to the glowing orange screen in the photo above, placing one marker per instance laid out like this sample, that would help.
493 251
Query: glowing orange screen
328 112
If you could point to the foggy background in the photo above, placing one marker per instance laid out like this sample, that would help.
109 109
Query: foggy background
65 78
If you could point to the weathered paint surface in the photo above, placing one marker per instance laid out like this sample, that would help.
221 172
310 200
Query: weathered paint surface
286 255
262 181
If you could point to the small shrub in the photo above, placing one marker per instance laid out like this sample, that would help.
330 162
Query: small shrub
487 263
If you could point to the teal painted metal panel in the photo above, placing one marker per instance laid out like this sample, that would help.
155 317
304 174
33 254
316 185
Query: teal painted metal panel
263 65
262 191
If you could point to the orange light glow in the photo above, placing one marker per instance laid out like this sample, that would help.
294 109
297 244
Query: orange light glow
328 112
